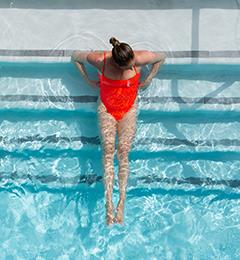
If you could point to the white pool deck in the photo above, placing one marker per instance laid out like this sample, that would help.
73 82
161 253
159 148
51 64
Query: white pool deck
206 31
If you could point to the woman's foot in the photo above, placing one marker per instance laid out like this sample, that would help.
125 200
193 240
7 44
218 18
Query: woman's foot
110 218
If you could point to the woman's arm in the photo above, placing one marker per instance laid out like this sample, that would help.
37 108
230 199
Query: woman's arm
78 57
148 57
82 69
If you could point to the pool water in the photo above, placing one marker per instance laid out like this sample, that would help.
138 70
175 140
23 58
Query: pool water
183 198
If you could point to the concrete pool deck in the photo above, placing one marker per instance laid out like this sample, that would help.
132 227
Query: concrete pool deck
188 32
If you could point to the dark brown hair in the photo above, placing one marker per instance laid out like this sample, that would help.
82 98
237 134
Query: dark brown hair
122 53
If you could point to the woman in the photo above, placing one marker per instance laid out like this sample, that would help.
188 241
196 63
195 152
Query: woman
117 108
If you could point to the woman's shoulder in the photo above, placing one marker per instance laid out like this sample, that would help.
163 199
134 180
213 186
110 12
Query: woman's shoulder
96 59
137 54
144 57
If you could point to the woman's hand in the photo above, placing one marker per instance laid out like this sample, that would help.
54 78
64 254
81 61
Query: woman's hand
75 56
144 83
79 56
94 83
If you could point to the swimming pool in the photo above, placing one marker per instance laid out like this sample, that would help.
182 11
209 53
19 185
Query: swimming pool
183 197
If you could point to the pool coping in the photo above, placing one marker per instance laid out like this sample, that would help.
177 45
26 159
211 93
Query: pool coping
173 57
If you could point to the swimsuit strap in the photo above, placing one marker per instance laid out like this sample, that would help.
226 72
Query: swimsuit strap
135 69
104 61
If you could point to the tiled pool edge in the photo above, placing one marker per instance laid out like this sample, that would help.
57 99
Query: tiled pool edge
178 57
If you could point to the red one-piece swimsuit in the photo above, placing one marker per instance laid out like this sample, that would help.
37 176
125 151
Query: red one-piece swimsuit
118 96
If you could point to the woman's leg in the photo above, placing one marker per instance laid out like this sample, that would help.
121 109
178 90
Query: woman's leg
108 127
126 132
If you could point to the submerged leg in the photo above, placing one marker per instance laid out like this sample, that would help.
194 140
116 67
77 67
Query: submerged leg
126 133
108 127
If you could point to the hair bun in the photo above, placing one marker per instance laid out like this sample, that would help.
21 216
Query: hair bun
114 41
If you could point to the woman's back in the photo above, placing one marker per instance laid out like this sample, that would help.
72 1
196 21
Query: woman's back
118 95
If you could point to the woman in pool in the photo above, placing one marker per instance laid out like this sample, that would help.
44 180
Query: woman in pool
117 108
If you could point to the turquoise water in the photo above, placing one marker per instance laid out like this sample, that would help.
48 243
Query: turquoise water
183 198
